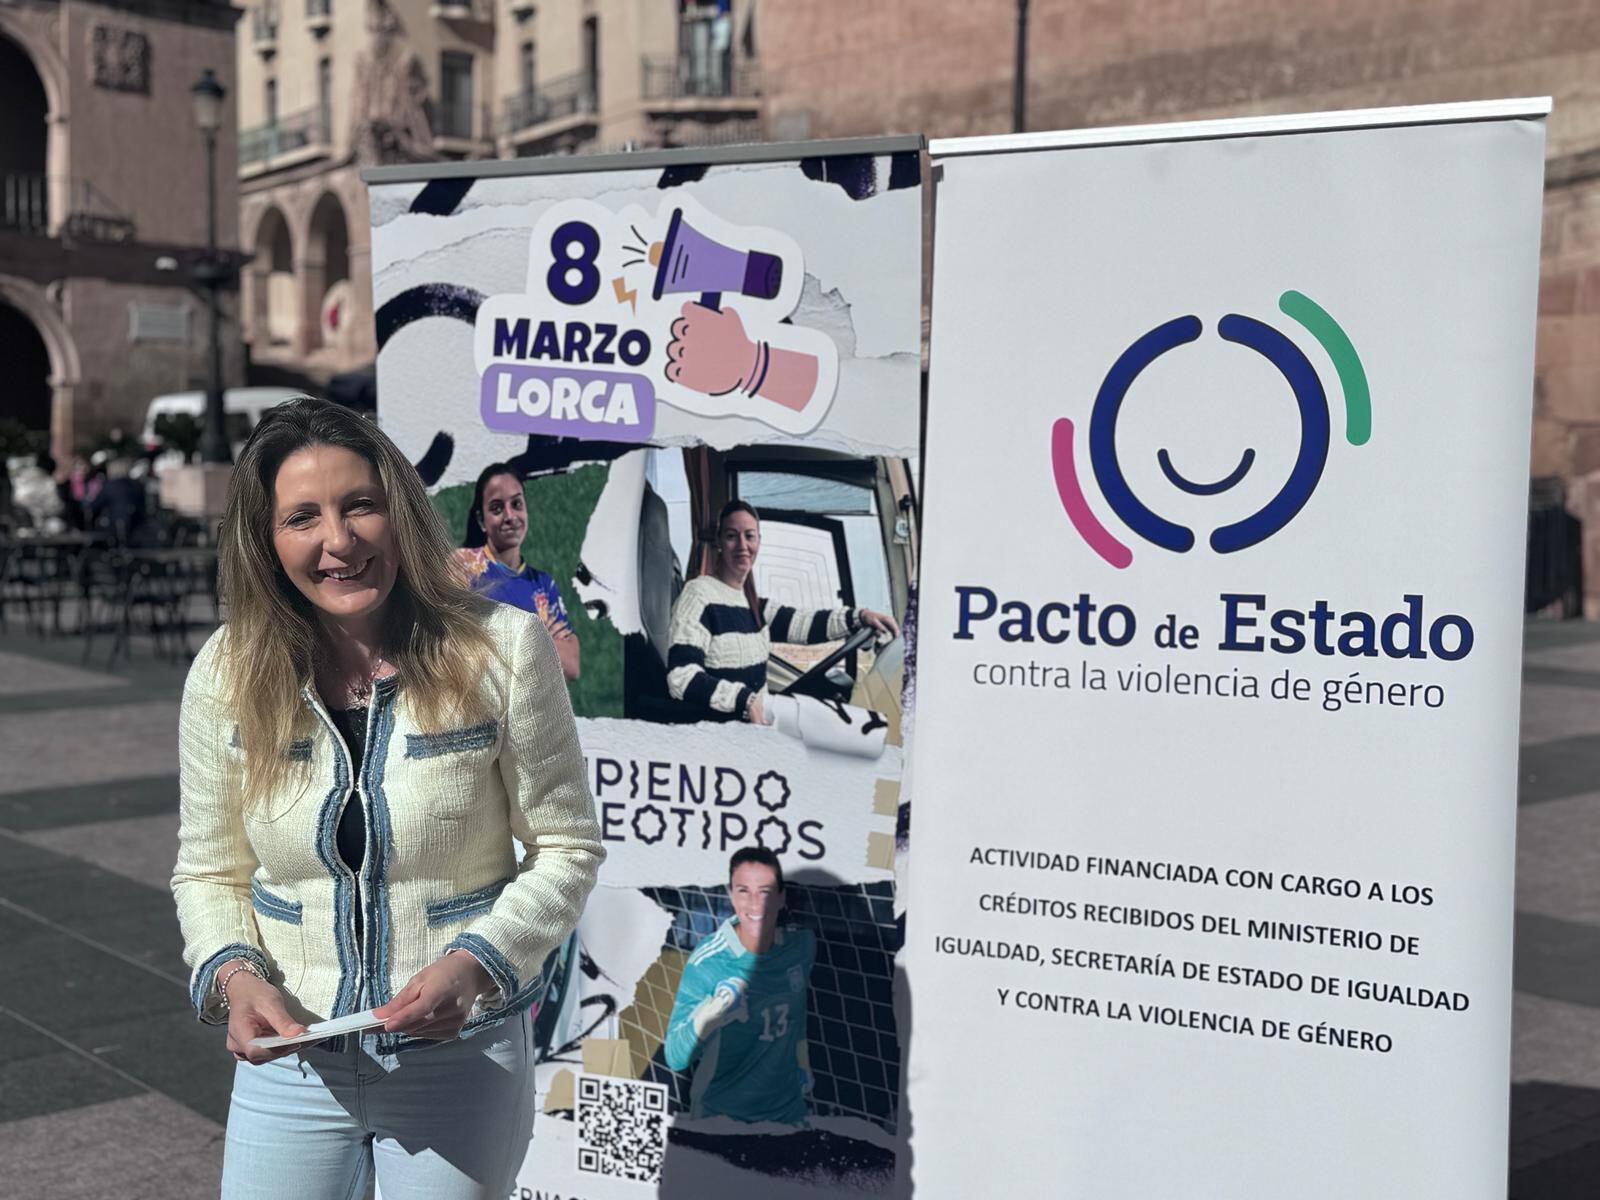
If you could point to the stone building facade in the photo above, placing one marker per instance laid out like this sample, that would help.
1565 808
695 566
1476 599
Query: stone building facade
330 86
103 209
945 68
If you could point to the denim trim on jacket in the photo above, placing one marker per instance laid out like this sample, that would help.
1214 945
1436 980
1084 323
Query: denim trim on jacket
205 975
375 887
274 907
452 741
457 908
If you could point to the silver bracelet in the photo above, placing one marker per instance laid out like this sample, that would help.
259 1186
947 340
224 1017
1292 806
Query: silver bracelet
243 965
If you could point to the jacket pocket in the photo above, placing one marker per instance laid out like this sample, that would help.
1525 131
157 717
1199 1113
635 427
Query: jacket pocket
465 906
450 769
452 741
274 907
278 920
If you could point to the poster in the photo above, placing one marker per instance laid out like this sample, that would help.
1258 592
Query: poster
640 341
1218 684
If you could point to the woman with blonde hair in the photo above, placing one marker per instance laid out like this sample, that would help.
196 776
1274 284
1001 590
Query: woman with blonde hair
359 745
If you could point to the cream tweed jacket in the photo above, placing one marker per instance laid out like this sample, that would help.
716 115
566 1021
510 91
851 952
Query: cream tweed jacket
440 870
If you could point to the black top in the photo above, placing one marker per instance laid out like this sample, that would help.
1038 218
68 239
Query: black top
352 834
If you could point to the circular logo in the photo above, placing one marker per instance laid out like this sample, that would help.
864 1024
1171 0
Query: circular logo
1315 434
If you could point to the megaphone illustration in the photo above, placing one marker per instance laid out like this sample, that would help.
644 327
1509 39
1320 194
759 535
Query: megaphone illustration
689 261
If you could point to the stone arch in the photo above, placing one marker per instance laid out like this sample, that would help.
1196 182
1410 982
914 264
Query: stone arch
47 61
29 299
51 69
273 314
326 260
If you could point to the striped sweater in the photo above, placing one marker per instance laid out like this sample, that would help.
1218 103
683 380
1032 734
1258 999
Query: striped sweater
719 653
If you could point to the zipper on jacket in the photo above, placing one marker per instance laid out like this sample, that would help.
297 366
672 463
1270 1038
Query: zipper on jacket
354 789
369 842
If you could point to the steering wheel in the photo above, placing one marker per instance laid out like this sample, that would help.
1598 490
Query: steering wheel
808 684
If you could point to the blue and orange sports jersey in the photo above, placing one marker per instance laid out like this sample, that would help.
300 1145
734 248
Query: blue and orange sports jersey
529 589
750 1067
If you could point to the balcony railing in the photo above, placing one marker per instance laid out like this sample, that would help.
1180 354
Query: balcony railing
736 132
690 76
25 204
307 128
570 96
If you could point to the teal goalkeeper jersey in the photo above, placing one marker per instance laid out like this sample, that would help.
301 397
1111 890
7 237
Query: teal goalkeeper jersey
749 1066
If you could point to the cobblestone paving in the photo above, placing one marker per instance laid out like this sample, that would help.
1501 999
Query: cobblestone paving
109 1088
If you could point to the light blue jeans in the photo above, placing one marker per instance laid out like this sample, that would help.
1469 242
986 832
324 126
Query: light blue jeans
444 1122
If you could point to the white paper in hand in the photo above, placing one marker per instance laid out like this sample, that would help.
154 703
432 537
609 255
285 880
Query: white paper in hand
354 1023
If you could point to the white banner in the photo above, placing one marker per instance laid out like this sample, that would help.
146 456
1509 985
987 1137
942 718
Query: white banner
595 358
1220 644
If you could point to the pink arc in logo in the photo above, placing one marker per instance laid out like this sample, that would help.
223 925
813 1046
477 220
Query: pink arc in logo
1072 499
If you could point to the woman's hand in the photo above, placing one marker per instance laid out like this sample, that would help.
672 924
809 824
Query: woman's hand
256 1009
754 712
437 1001
882 622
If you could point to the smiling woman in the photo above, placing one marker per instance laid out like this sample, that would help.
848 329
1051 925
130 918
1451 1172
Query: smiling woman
361 747
331 532
492 559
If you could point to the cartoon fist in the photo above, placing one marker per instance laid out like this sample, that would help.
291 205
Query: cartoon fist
711 353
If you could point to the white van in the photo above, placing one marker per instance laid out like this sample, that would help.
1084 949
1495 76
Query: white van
242 408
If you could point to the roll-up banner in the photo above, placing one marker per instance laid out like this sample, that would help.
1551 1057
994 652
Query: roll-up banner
1218 685
638 341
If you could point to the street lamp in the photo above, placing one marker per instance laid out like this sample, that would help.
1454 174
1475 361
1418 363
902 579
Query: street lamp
210 272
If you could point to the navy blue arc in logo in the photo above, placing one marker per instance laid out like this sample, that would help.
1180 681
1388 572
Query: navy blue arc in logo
1308 394
1272 516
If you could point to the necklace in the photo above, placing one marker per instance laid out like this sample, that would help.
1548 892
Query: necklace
360 693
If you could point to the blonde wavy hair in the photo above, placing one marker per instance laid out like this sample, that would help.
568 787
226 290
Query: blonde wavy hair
433 623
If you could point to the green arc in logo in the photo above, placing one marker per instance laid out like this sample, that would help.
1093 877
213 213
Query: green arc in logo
1352 375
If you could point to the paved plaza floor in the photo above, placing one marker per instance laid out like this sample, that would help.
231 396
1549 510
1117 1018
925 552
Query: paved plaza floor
110 1088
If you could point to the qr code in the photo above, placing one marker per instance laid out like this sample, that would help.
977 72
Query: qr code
622 1127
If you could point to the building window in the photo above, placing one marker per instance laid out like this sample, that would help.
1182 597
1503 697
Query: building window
591 61
455 94
705 47
526 65
270 102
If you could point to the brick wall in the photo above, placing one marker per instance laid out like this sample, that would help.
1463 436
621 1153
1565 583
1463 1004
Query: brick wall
944 67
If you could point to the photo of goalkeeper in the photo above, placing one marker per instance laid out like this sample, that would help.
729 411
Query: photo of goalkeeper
740 1011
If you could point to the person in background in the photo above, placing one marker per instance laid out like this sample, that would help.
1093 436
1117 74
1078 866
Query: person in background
121 505
491 557
34 492
78 479
71 509
47 464
361 748
722 635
